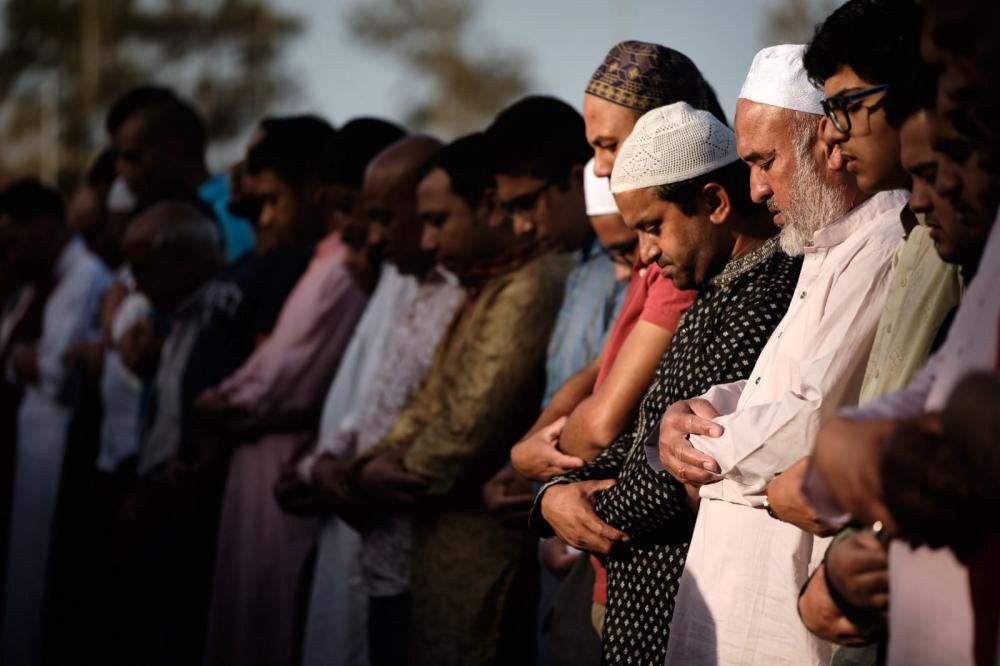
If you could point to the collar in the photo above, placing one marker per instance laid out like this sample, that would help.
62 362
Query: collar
840 230
746 262
73 252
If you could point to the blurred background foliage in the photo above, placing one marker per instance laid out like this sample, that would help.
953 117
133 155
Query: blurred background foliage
62 62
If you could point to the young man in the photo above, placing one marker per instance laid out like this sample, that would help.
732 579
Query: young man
711 237
160 143
735 438
930 615
480 392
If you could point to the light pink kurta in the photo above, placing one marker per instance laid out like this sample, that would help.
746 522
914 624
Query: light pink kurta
261 550
737 597
930 608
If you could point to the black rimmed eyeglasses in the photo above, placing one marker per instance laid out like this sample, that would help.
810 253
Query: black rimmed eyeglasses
840 107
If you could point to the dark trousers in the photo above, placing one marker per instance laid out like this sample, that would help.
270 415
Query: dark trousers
389 630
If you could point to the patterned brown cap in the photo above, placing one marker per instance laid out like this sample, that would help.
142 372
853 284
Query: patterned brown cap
645 76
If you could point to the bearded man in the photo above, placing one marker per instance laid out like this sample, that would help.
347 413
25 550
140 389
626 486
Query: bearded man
745 567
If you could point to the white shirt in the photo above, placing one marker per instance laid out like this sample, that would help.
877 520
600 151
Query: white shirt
352 383
930 609
70 315
737 597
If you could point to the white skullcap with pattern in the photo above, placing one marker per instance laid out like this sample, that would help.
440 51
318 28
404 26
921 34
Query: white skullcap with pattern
671 144
597 192
777 77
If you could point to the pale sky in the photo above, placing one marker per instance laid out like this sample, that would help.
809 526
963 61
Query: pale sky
563 40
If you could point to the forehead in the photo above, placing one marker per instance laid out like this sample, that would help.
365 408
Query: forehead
915 146
604 118
760 128
435 184
514 185
845 79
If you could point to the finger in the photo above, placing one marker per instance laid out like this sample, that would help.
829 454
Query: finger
688 455
406 482
694 476
880 601
563 461
703 408
696 425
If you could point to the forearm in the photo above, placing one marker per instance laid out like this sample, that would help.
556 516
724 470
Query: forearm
591 428
568 397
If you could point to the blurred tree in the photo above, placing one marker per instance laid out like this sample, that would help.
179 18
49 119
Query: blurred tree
62 62
794 21
465 87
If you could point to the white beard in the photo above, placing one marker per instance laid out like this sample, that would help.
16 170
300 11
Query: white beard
814 204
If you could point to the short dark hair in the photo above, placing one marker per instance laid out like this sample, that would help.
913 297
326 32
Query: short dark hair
462 159
356 144
539 137
27 199
734 178
168 115
293 147
880 41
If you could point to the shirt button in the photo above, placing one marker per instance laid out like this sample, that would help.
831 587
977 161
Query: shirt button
756 381
802 295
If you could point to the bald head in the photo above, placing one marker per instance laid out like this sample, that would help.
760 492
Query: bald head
390 199
172 249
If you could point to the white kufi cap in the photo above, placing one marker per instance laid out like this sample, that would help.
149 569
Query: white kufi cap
597 192
778 78
671 144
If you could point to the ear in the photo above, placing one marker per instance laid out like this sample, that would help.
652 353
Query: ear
487 206
716 202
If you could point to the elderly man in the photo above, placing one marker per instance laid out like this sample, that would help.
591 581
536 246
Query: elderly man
710 236
744 567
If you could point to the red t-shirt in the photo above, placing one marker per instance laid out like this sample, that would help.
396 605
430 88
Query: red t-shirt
653 298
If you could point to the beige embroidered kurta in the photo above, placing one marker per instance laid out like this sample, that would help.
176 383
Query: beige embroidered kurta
481 393
737 598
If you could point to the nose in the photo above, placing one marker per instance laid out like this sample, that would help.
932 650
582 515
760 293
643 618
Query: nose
265 218
522 224
948 183
829 133
376 234
648 249
604 161
429 239
920 198
760 187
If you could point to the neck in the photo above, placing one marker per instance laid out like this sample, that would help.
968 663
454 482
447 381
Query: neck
749 233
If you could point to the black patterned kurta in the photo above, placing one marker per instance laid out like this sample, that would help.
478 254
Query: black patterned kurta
717 342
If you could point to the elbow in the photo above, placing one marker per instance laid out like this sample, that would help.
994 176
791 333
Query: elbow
602 427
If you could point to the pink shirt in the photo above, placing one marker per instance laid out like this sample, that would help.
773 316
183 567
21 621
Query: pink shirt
312 330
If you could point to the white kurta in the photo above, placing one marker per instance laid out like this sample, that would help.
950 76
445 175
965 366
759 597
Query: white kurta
337 626
930 609
737 598
70 315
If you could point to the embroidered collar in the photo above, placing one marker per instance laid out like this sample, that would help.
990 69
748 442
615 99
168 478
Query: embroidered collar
746 262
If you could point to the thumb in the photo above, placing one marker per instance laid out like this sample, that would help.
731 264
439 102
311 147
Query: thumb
553 430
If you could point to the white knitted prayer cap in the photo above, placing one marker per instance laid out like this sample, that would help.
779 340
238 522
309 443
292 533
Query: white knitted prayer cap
597 192
778 78
671 144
